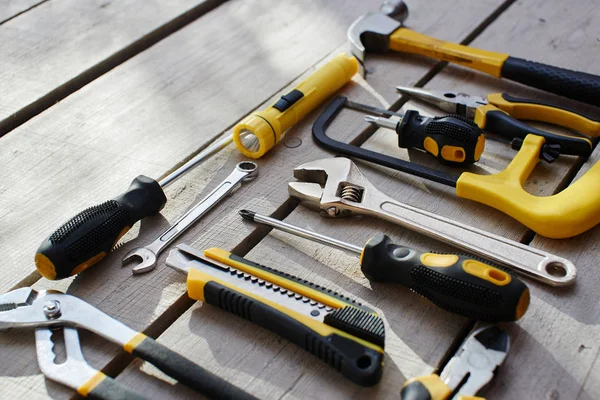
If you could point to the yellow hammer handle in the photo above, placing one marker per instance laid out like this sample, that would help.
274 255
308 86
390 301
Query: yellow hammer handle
568 213
260 131
408 41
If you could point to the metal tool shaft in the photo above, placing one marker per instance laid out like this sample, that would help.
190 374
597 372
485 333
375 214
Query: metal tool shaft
200 157
382 122
305 233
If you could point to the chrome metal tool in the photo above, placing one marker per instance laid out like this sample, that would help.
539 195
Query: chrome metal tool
27 308
457 283
75 372
467 372
148 255
338 187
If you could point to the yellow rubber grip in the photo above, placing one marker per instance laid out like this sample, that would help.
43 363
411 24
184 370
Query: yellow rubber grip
266 127
197 280
408 41
433 384
546 113
568 213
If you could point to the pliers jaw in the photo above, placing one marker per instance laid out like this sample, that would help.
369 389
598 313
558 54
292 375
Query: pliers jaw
26 307
448 101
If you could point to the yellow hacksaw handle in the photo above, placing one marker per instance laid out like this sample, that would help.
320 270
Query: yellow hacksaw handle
267 126
568 213
408 41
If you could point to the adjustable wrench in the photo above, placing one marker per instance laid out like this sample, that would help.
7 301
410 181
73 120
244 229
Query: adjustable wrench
243 172
340 189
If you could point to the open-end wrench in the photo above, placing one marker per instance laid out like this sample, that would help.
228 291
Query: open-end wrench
243 172
338 187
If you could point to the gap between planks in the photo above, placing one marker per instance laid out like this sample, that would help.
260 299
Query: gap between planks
183 303
11 17
74 84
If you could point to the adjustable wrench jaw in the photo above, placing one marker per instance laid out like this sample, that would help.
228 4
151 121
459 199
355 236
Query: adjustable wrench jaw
335 185
28 308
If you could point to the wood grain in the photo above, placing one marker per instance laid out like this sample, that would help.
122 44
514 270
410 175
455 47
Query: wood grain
11 8
59 46
152 113
165 103
408 352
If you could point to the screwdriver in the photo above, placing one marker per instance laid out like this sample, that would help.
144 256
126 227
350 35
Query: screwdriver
453 139
90 235
454 282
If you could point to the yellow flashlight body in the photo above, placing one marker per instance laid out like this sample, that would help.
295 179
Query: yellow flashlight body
260 131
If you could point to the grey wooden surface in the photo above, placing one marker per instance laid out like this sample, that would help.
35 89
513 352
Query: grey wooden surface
164 104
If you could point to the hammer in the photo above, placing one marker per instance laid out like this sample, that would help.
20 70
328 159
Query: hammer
382 31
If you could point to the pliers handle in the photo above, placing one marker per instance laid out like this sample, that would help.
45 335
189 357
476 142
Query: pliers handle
501 114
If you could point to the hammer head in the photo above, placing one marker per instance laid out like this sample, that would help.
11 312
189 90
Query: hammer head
371 32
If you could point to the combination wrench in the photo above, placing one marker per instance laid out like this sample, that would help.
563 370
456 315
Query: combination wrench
338 187
243 172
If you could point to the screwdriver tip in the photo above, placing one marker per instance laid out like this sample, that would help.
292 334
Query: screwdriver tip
371 119
247 214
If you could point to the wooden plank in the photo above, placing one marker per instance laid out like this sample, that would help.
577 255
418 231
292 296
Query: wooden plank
192 96
59 46
334 269
11 8
555 348
152 113
269 367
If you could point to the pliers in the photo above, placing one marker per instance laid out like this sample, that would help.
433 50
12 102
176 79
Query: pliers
501 114
467 372
75 372
27 308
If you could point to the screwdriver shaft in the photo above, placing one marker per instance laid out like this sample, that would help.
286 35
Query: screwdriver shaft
294 230
382 122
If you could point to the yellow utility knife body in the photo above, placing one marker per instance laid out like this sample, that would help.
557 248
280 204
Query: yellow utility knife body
343 333
467 372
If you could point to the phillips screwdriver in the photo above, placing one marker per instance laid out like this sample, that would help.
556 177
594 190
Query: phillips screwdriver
454 140
454 282
90 235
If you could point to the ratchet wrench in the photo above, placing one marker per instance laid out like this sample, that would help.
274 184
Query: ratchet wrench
340 189
243 172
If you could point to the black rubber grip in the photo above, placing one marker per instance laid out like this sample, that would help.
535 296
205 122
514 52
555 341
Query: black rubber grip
90 235
449 132
355 361
319 131
515 99
504 125
415 391
449 287
188 373
565 82
109 389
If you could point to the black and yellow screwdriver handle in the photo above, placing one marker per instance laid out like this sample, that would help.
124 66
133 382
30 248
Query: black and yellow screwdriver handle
456 283
503 113
576 85
429 387
359 360
453 140
90 235
182 369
